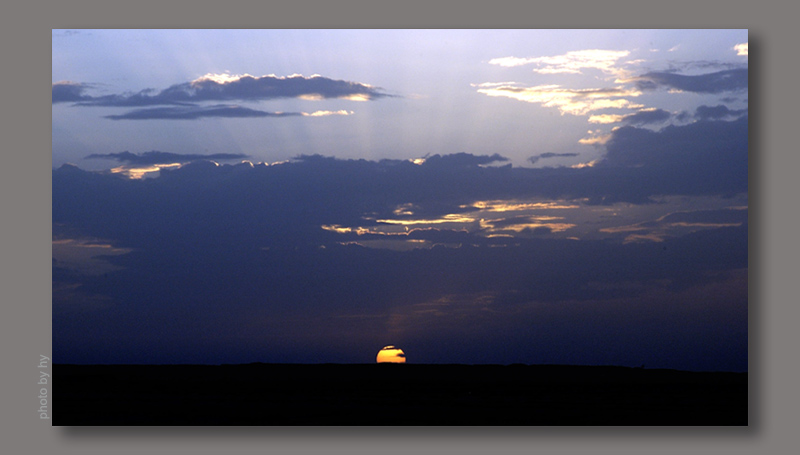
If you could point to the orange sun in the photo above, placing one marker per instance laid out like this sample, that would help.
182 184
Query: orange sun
391 354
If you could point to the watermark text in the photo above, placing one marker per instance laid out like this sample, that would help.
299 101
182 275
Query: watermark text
44 380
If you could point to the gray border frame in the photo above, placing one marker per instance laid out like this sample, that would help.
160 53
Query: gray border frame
26 194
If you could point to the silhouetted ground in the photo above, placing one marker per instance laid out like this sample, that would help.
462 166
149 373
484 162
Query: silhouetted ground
394 394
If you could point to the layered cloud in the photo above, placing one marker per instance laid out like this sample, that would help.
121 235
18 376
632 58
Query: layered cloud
607 105
212 96
216 88
716 82
136 166
718 112
196 112
702 158
680 223
157 157
219 110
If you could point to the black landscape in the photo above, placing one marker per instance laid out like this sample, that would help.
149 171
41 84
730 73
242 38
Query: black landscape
394 394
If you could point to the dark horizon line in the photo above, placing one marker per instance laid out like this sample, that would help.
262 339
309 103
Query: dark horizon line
515 364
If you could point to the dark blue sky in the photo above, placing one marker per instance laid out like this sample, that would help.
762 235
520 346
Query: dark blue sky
576 203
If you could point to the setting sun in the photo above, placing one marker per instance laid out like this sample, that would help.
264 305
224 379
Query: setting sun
391 354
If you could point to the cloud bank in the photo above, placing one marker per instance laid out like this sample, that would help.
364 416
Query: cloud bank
210 88
157 157
190 100
235 263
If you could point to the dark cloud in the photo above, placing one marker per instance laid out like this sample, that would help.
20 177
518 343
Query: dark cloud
196 112
244 88
646 117
230 263
69 92
684 116
717 82
717 112
533 159
704 157
676 66
290 202
156 157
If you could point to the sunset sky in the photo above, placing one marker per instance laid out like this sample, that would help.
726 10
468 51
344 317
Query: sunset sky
469 196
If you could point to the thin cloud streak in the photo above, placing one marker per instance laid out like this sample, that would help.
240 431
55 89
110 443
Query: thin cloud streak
717 82
198 112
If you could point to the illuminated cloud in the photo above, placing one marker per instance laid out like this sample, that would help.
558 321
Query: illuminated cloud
404 210
327 113
515 205
595 139
449 218
606 118
247 87
568 101
156 157
487 219
347 230
741 49
525 224
573 62
585 165
226 87
150 163
138 172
